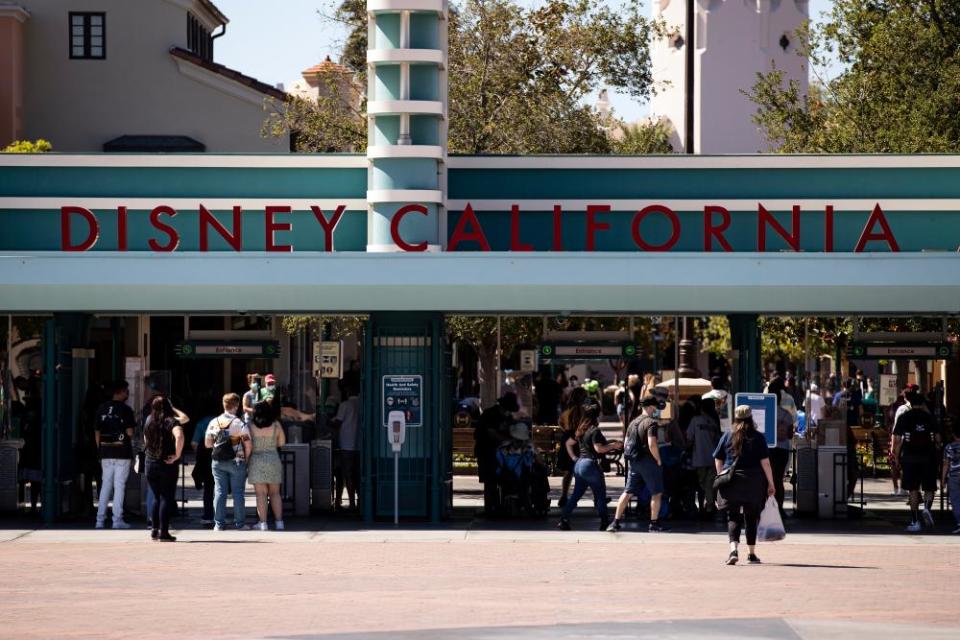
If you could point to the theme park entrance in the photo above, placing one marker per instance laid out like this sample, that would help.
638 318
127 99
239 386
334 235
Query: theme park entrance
97 247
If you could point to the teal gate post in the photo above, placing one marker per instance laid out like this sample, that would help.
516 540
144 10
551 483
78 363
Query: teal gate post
745 340
405 370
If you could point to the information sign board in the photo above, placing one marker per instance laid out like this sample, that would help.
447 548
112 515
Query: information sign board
403 393
764 408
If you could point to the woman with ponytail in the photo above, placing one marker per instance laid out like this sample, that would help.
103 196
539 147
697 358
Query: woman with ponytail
163 440
586 471
743 496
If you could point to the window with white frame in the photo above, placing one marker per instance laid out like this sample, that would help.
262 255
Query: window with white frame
88 36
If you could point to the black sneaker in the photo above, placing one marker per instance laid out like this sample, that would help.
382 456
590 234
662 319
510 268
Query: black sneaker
753 559
656 527
155 534
614 526
732 558
604 524
564 524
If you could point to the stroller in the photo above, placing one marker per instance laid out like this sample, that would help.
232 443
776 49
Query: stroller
522 476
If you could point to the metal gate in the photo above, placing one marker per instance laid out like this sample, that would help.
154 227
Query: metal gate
408 348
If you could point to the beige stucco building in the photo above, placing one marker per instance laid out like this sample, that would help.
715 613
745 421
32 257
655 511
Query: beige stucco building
138 75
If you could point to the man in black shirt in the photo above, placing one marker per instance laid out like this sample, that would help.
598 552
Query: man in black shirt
113 432
915 439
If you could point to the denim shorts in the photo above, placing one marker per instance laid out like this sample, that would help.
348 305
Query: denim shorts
649 472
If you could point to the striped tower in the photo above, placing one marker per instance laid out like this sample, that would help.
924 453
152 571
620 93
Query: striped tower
407 107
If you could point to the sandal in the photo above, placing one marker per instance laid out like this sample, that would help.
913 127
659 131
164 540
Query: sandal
732 558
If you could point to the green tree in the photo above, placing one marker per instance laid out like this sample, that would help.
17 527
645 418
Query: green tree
898 91
644 138
518 78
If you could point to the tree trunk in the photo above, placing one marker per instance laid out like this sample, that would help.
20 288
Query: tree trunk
488 374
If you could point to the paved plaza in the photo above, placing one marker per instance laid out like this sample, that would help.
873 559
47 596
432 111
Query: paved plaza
467 583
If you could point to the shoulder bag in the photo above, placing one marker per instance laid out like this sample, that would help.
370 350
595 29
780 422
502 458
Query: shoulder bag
726 476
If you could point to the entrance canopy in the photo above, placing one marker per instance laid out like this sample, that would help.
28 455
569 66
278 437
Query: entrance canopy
659 234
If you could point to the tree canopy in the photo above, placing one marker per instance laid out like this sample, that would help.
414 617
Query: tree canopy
898 90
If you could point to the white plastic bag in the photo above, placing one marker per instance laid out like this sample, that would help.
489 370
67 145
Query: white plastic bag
770 528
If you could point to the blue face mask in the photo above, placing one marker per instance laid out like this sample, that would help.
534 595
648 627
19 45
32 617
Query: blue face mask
655 414
255 386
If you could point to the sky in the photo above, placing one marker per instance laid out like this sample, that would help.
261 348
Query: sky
273 40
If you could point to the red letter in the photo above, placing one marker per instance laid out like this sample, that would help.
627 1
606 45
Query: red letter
93 233
395 227
328 227
460 233
674 223
121 228
793 239
174 241
828 229
710 232
234 239
515 244
592 225
876 217
557 228
272 227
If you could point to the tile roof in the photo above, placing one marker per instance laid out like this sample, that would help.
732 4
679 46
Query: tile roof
227 72
325 67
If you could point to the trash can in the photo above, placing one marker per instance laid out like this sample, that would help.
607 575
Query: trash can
296 477
9 473
831 481
806 488
321 474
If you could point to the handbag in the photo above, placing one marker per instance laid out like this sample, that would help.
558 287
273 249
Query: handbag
725 477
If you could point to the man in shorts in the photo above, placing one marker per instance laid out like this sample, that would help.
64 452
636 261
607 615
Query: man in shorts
645 464
915 439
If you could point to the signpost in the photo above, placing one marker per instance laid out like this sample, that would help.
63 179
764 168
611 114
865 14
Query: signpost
888 389
328 359
764 408
528 360
405 394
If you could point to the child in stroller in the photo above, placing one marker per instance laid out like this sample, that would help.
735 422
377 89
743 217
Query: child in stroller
522 476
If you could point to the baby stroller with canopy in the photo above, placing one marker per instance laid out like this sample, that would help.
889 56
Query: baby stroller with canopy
522 476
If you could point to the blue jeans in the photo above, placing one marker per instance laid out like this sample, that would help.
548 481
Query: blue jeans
587 474
229 477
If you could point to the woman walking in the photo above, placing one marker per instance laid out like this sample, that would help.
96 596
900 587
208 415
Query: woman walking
750 482
163 440
586 471
264 470
569 421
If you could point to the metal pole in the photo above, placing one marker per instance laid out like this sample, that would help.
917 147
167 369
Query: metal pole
688 78
396 488
675 411
497 389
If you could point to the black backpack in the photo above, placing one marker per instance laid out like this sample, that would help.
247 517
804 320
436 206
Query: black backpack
112 430
634 446
223 449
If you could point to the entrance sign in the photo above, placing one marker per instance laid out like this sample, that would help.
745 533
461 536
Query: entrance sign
764 408
404 394
234 349
884 351
587 351
888 389
328 359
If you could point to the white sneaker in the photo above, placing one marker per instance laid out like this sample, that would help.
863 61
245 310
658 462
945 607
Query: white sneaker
914 527
218 527
279 525
120 524
263 526
927 518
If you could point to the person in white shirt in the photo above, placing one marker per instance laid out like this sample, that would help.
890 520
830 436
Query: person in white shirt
817 405
229 439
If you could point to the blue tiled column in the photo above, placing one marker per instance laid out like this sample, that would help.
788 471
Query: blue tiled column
407 107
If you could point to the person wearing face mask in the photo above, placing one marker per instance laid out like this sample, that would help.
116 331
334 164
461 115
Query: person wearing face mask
489 434
642 451
251 397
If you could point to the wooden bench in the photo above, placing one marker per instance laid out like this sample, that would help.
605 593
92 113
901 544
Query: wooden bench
463 441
